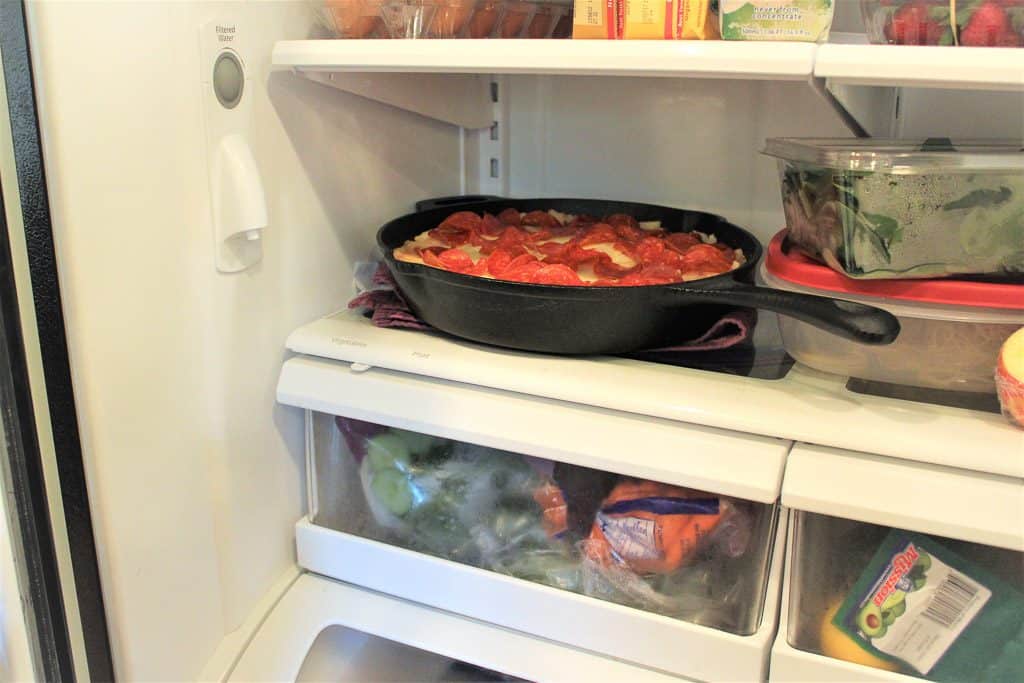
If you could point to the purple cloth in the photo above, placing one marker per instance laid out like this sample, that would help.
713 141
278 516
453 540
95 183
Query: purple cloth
387 308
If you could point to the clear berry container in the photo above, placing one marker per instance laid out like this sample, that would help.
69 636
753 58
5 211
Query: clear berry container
969 23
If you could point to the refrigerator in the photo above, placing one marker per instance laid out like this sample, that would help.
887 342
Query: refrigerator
191 195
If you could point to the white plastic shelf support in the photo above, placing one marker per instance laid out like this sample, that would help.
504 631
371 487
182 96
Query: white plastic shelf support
314 603
964 68
709 459
805 405
971 506
632 635
689 59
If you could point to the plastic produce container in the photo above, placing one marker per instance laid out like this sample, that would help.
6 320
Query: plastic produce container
485 18
450 18
408 18
873 208
970 23
545 19
838 561
515 19
352 18
951 330
687 554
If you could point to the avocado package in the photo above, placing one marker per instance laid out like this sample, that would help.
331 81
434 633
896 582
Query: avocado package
935 614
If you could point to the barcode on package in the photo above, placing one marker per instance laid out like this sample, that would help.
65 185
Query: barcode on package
951 600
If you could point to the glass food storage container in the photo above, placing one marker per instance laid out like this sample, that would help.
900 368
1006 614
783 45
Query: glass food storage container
950 330
972 23
920 605
687 554
873 208
352 18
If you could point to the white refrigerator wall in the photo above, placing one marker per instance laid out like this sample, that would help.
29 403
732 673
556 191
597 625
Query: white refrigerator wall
196 476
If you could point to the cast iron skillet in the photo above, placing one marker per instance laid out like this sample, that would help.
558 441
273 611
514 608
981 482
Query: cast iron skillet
605 320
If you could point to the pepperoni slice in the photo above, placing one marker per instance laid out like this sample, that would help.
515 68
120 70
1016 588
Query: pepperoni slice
629 233
551 249
541 219
583 220
617 219
727 251
649 249
455 260
598 233
681 241
510 217
522 273
490 226
450 237
705 259
430 258
462 220
606 268
556 274
498 262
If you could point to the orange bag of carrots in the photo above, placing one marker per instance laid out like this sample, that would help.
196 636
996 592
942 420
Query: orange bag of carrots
653 528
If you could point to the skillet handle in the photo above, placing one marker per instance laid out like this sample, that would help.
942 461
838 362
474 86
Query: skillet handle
847 319
453 202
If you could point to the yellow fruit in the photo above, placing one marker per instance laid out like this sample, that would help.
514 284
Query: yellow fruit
1010 377
838 645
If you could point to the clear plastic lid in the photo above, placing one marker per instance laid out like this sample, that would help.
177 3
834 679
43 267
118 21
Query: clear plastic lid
902 156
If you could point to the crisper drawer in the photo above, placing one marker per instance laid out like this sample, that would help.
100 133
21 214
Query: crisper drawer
630 559
916 572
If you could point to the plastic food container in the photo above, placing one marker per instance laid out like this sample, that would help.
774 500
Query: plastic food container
873 208
545 18
450 18
407 18
485 18
352 18
993 23
563 27
515 19
687 554
830 560
950 336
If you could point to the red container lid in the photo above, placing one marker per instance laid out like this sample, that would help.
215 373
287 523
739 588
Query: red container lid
795 267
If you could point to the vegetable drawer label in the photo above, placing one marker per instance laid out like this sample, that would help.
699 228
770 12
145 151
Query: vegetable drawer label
632 537
918 607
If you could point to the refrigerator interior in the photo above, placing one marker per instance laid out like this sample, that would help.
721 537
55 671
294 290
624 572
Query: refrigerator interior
196 475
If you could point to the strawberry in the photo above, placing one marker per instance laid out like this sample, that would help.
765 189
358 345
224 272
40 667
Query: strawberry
989 25
912 24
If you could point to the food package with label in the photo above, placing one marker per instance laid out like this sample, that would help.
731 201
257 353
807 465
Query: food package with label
668 20
922 609
596 19
806 21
